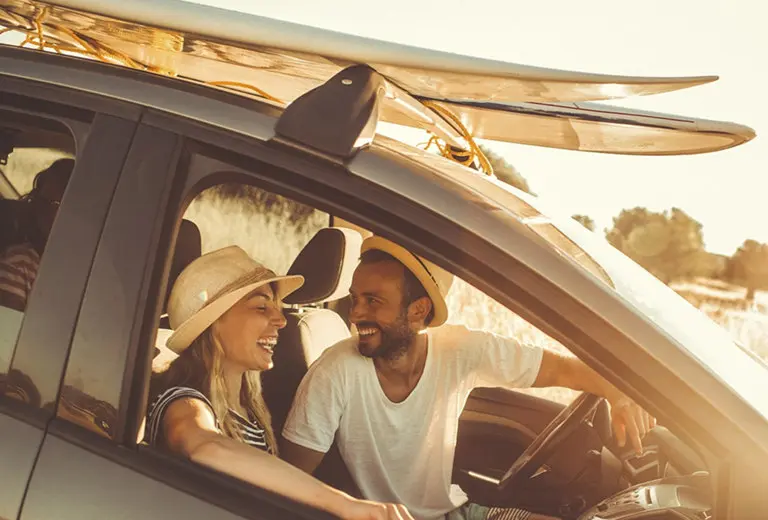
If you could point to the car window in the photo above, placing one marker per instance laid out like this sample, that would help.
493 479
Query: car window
24 163
27 221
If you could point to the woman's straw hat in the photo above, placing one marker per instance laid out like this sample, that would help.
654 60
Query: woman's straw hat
211 285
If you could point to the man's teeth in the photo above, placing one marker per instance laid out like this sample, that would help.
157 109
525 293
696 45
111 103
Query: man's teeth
366 331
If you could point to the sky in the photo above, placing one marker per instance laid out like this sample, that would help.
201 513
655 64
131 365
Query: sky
725 190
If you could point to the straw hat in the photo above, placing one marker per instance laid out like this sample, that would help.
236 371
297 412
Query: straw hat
435 280
210 285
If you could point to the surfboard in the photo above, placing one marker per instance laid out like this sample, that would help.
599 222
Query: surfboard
593 127
285 59
280 61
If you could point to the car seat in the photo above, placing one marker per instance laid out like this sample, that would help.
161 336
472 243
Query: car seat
188 248
327 263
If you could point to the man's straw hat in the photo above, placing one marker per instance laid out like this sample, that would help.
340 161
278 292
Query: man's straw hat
435 280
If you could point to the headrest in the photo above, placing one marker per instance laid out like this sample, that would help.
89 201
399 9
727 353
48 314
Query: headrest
327 263
188 248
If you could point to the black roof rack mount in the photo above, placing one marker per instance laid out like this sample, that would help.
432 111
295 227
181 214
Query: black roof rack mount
339 117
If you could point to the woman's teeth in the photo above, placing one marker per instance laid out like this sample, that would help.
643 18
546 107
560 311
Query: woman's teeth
268 344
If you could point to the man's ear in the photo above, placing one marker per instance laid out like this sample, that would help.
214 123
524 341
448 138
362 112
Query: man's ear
419 309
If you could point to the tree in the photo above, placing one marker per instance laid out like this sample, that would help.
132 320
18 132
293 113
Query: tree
505 171
749 267
585 221
670 245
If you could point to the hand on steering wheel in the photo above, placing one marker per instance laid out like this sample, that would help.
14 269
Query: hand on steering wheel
545 444
629 420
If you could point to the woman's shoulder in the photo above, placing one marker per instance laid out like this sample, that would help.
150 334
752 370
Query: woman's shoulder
176 392
162 402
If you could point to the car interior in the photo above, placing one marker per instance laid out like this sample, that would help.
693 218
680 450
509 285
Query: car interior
577 468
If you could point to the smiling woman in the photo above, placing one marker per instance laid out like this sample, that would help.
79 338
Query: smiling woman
225 310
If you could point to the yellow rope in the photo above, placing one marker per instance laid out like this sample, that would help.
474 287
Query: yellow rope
35 36
447 151
39 26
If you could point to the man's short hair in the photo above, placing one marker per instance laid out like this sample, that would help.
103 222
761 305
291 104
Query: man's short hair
412 288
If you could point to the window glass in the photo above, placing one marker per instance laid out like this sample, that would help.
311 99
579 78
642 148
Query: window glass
27 213
24 163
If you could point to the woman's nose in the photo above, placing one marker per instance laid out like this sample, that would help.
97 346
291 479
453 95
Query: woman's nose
278 319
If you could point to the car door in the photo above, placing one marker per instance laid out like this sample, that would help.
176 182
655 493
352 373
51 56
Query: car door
46 120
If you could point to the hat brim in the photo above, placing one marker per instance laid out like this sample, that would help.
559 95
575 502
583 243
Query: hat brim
419 270
196 324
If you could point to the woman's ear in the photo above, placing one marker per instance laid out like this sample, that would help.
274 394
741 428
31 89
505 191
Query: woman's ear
419 309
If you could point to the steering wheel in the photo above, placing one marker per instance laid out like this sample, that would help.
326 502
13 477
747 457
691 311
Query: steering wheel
563 426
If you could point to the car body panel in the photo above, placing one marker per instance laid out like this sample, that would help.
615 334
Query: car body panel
18 451
95 487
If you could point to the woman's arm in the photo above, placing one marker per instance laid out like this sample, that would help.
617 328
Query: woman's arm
190 430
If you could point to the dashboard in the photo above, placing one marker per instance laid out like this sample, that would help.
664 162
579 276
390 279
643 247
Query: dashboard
679 498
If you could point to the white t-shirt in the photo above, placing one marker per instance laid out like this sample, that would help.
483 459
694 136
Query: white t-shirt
403 452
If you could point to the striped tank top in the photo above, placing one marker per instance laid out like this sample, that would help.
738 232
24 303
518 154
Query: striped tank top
252 432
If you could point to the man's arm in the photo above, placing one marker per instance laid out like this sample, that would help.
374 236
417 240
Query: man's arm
303 458
629 420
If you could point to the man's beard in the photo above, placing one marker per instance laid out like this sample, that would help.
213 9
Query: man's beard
394 339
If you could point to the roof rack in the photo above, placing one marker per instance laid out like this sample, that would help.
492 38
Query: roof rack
340 117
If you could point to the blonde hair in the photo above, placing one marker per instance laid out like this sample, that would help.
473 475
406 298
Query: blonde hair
200 367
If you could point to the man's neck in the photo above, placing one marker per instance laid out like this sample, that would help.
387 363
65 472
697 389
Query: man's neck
398 377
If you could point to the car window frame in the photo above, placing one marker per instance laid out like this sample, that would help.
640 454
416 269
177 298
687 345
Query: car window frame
42 348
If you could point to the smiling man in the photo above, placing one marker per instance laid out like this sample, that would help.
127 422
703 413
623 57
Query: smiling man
392 395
